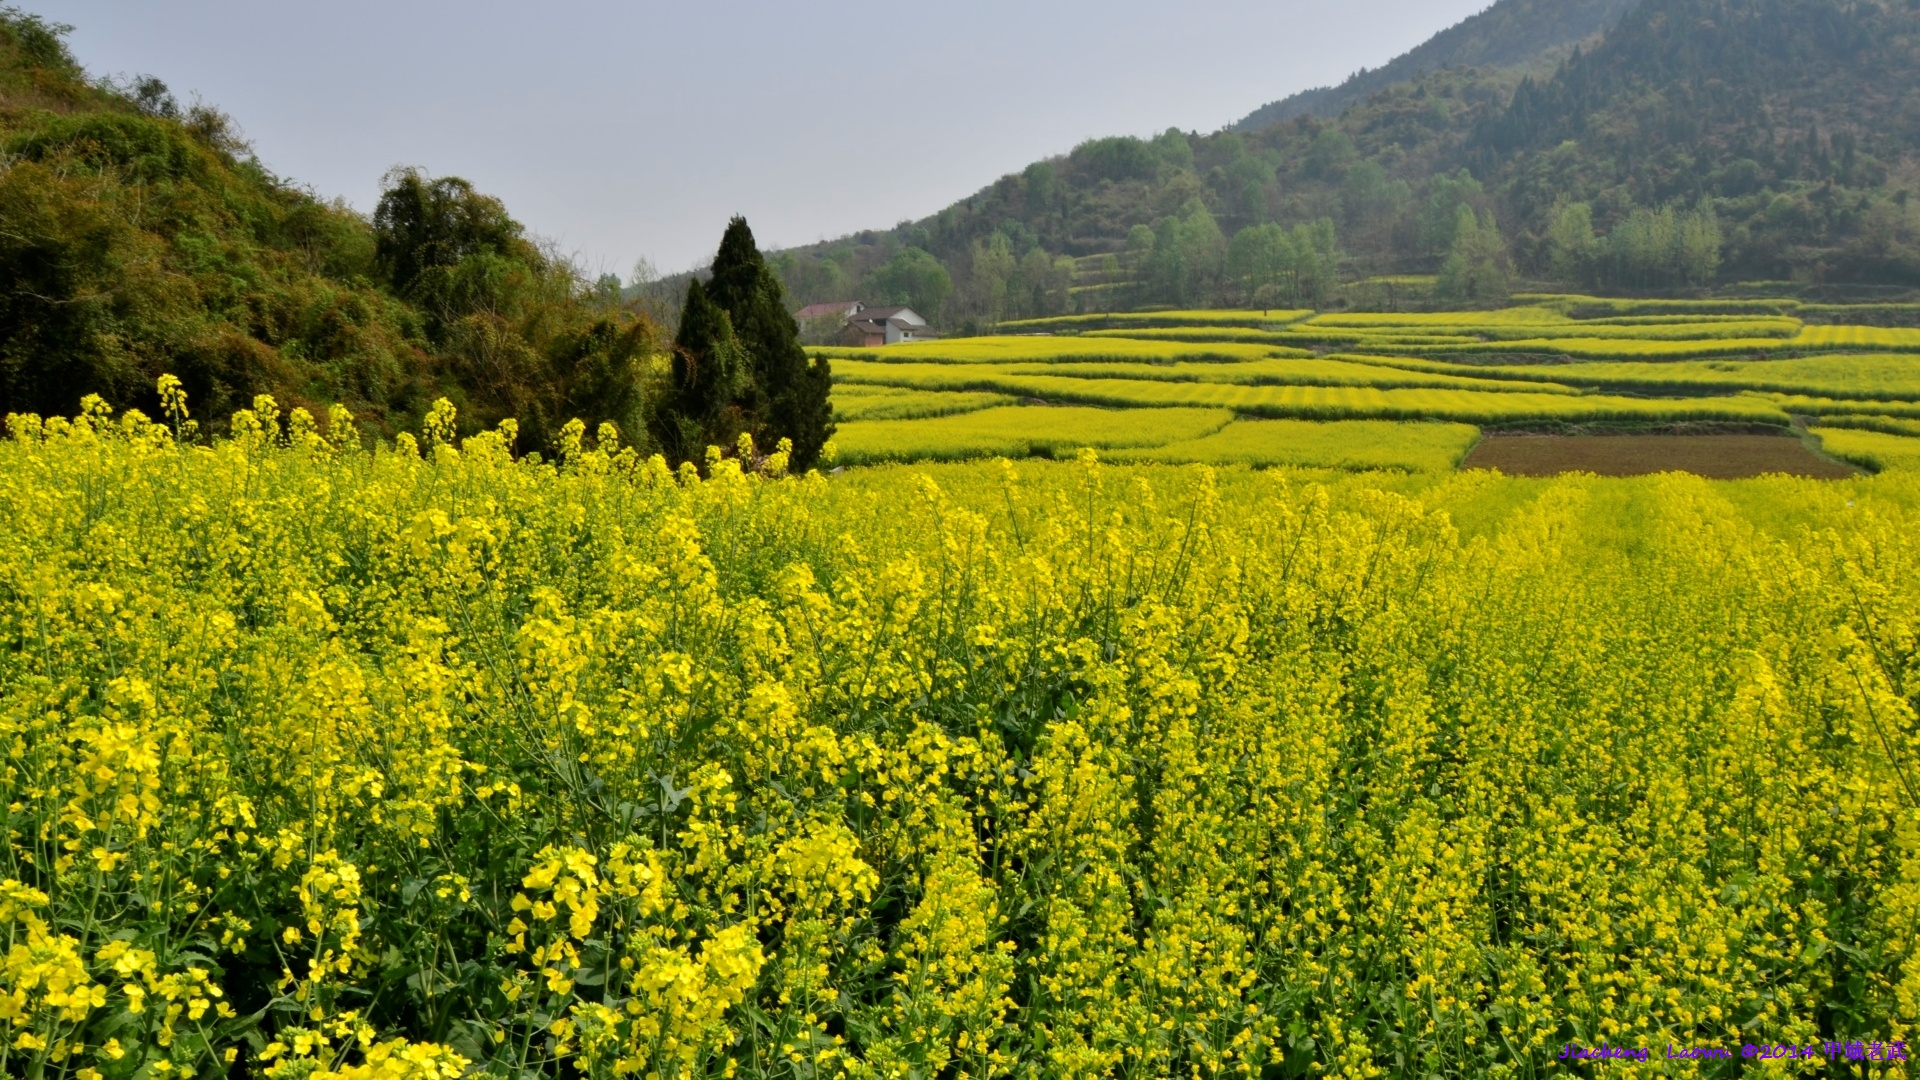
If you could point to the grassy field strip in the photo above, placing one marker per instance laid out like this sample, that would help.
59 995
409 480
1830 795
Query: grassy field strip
1253 319
1463 321
1021 431
1894 378
1357 339
1014 350
1007 378
1871 449
1534 324
1367 402
1317 372
858 401
1886 425
1824 406
1198 334
1571 302
1751 329
1683 320
1335 444
1592 348
1857 337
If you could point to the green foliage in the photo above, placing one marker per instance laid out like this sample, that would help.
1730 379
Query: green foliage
1440 220
711 376
1188 256
1680 109
1269 265
1507 34
1476 267
916 279
1655 248
780 394
425 228
1572 248
142 239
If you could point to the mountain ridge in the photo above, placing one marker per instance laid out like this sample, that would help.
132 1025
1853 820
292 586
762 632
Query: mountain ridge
1510 33
1781 137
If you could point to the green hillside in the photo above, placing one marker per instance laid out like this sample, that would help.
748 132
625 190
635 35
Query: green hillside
1699 145
1514 33
141 238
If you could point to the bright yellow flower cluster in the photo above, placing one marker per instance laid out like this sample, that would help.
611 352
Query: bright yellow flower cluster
425 761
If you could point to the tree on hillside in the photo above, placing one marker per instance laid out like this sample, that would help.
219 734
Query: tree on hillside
1441 218
916 279
1259 260
1571 245
524 336
785 397
424 224
1476 266
993 269
1655 248
1189 253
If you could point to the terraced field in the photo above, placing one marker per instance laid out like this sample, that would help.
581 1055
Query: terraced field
1385 390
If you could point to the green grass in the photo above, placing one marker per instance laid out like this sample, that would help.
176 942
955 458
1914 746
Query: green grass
857 401
1255 318
1008 378
1567 302
1041 349
1888 425
1361 402
1465 321
1628 361
1819 406
1871 449
1021 431
1198 334
1603 348
1338 444
1858 337
1690 330
1884 377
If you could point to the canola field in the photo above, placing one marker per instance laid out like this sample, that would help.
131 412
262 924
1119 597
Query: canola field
425 761
1551 360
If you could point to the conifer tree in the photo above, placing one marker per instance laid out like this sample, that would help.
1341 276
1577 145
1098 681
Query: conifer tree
786 397
709 364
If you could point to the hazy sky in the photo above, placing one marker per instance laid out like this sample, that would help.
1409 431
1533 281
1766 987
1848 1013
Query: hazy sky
636 128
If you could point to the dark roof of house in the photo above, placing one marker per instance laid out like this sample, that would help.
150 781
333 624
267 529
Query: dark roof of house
821 311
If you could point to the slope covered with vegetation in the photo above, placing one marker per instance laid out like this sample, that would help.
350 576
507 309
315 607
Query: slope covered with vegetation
1699 144
138 238
1515 33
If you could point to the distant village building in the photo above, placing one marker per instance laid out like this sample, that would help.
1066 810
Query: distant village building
840 309
867 327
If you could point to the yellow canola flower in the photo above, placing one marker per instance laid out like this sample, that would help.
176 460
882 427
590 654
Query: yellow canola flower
586 765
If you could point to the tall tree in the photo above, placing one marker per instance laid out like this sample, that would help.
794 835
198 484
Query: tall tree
1476 265
709 373
786 397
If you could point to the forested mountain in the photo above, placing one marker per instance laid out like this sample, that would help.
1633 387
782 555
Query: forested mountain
1511 33
1697 143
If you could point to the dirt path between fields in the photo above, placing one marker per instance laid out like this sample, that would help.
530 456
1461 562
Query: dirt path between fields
1717 457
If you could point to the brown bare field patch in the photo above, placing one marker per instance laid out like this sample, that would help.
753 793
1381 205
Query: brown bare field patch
1717 457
